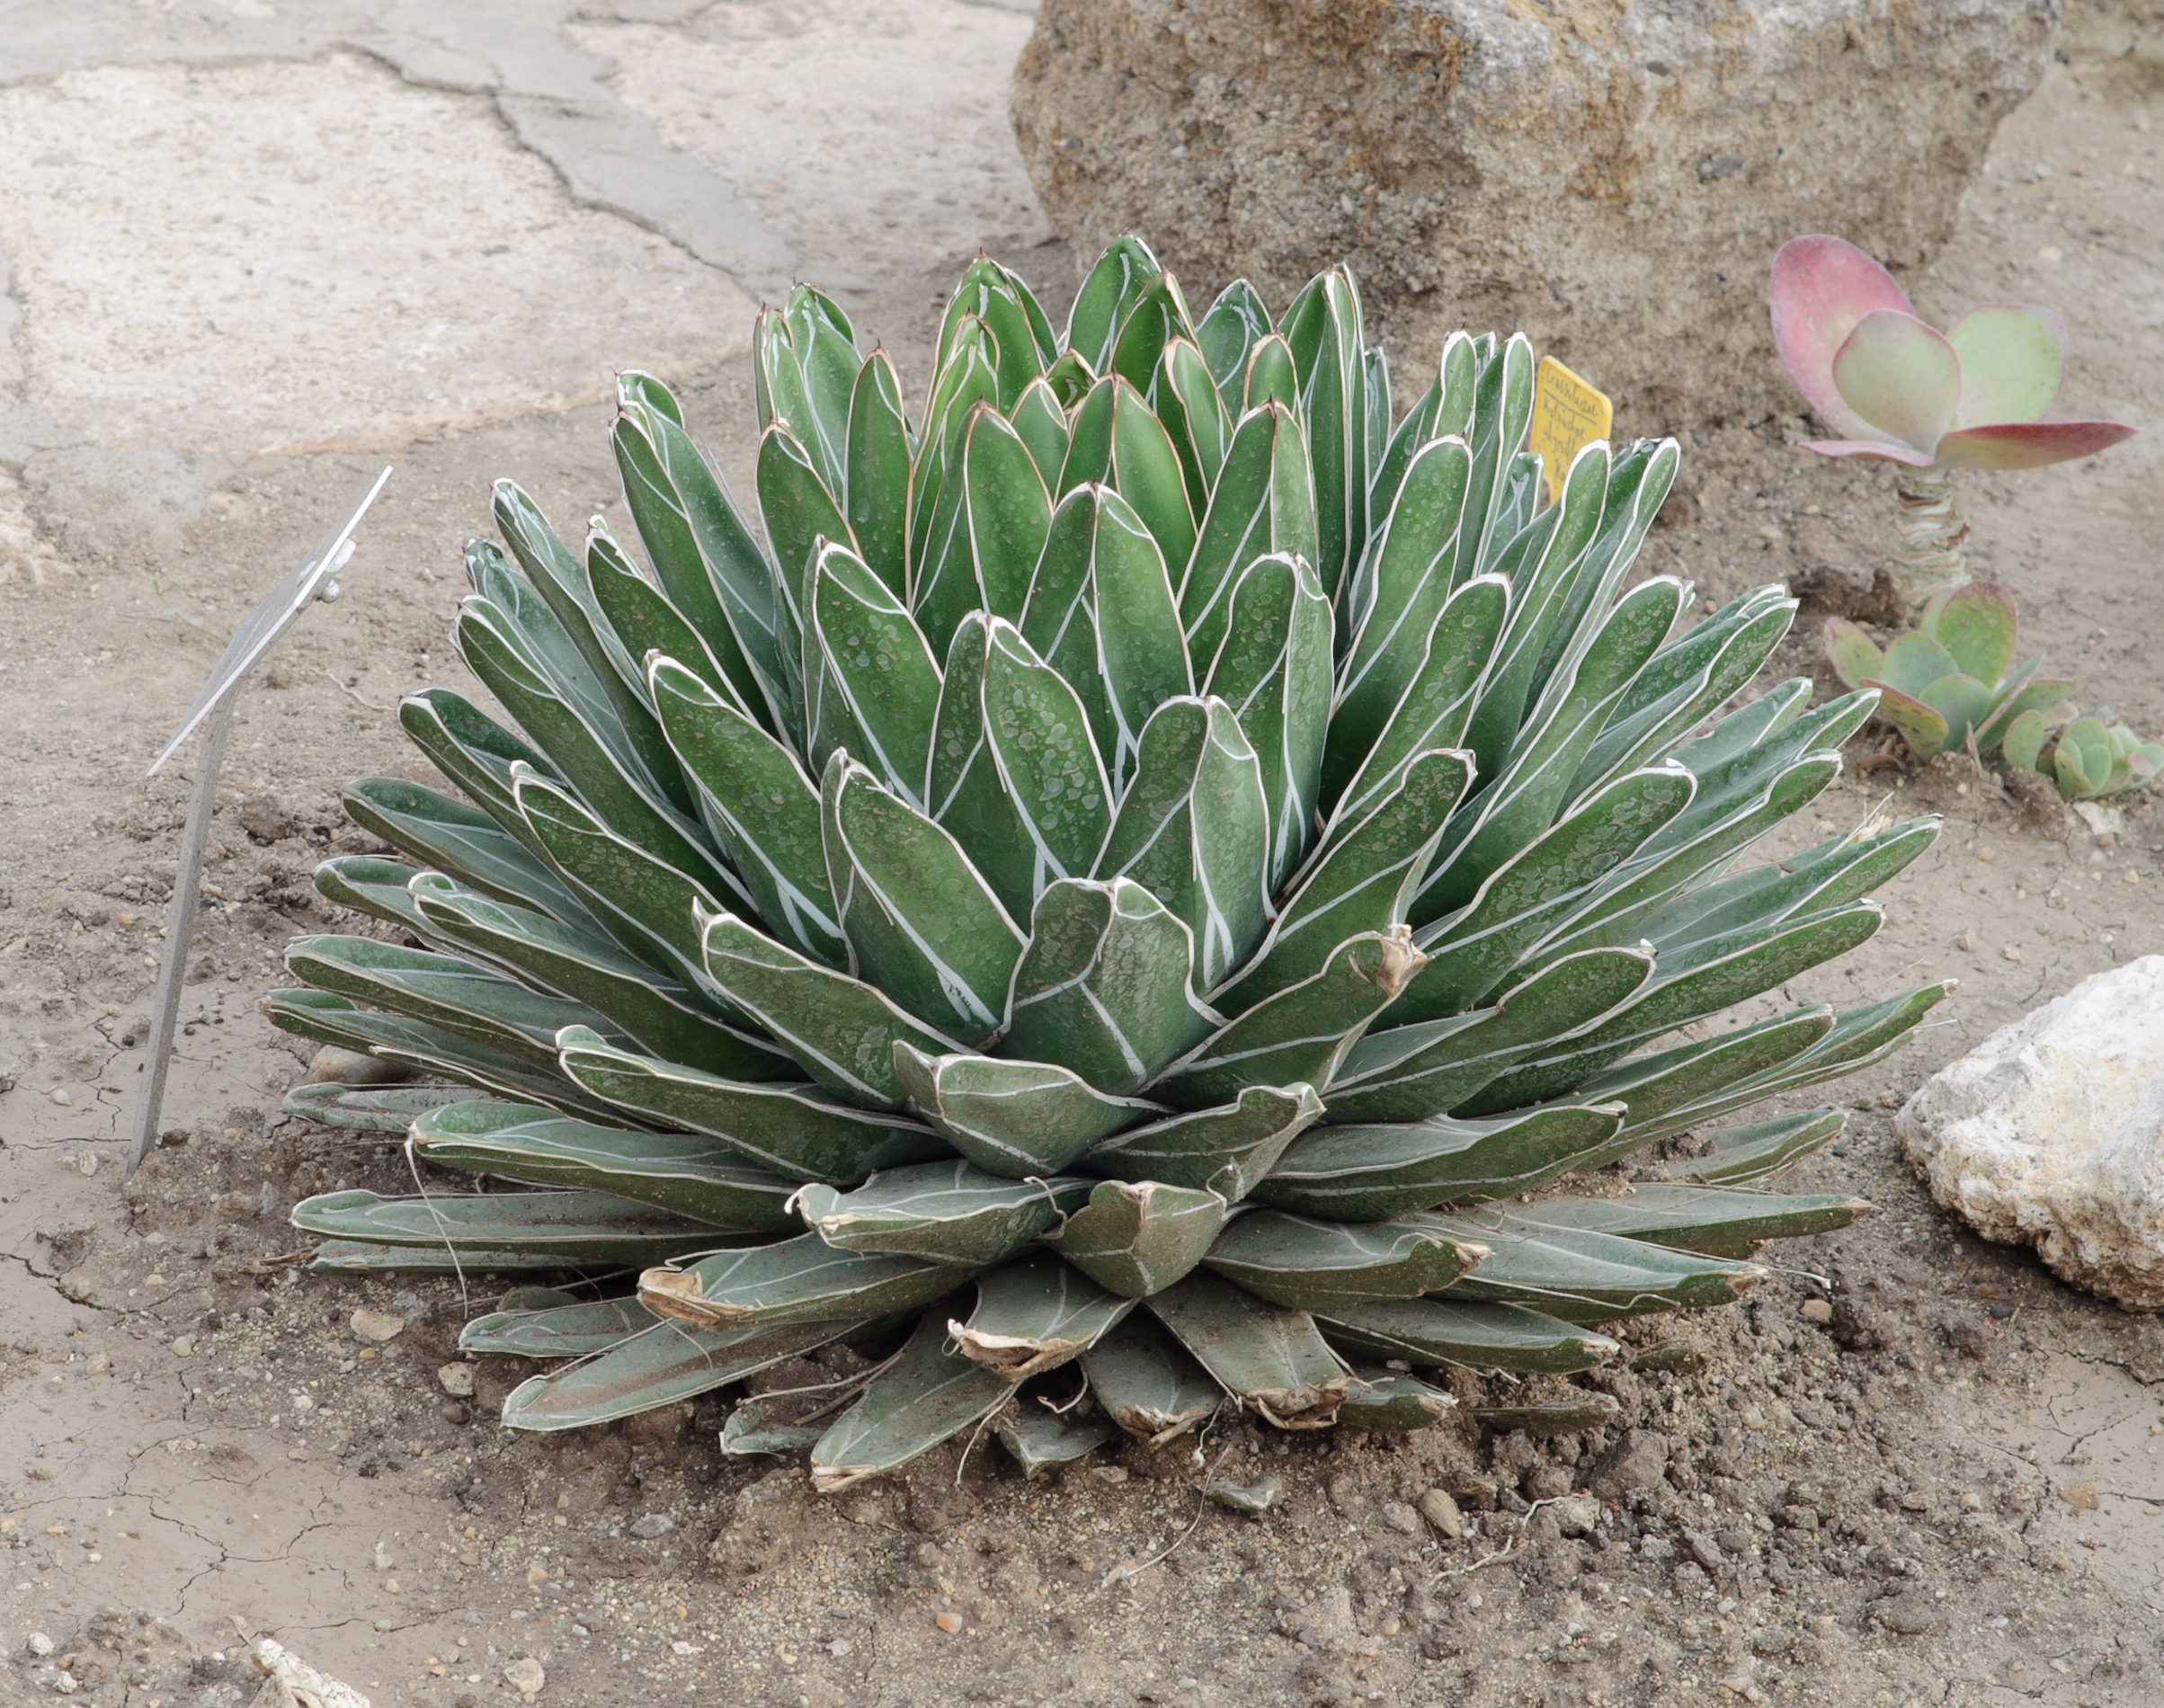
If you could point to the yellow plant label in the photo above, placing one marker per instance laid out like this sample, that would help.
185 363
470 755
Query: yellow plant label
1568 416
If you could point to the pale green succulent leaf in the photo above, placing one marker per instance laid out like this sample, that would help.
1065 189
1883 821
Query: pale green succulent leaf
1034 1315
446 990
1361 759
663 1364
1263 502
947 1211
1363 881
1039 1439
1702 1219
1009 511
1136 1239
794 1281
663 1014
877 484
560 1331
793 1130
334 1019
577 1228
467 843
922 925
386 1108
1193 829
1369 1173
841 1030
1046 759
925 1396
1104 987
1302 1032
1273 668
690 1174
1016 1118
1585 1276
759 806
1743 1155
1304 1264
1146 1384
1476 1336
1228 332
1270 1358
1227 1151
2012 361
1382 1399
1409 1073
377 887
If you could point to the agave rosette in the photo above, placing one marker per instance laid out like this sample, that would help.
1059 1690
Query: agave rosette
1154 829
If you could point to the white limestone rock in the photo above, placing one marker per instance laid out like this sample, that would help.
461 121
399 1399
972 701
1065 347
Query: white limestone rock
2051 1132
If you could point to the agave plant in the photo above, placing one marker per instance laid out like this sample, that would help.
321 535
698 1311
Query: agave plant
1155 830
1901 391
1954 680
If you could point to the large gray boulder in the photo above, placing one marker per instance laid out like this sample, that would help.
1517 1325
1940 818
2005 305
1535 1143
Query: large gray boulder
1612 179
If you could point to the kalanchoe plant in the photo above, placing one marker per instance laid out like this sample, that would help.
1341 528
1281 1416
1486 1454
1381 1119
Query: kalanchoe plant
1954 684
1899 390
2088 759
1137 874
1954 680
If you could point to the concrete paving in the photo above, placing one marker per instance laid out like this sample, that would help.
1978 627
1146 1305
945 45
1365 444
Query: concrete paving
276 227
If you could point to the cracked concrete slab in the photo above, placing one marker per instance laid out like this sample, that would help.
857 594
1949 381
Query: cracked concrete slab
896 146
271 257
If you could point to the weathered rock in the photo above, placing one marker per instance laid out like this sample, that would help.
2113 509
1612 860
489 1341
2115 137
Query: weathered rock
1613 181
2051 1132
1635 1463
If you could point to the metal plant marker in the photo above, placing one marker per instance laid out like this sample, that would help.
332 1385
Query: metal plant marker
309 581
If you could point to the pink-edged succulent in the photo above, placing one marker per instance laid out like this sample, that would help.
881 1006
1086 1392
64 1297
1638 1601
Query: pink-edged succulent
1897 389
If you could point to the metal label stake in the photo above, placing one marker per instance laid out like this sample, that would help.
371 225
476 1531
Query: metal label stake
212 712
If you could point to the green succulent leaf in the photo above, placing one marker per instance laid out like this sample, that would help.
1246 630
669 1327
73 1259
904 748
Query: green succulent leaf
661 1364
1478 1336
1299 1033
1146 1384
1039 1439
567 1331
390 1108
1692 1218
1019 1119
1361 1173
1193 829
795 1130
925 1396
1304 1264
1225 1151
1104 986
794 1281
1034 1315
688 1173
945 1212
1265 1356
1137 1239
1586 1276
920 922
576 1228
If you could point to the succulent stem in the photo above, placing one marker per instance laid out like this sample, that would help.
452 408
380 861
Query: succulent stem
1931 558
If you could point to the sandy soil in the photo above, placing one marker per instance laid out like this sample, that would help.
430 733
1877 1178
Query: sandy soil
1948 1493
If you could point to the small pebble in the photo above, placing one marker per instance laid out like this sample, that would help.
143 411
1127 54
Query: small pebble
63 1096
1817 1310
2011 953
184 1346
87 1165
40 1644
653 1525
950 1623
1441 1512
1253 1499
525 1676
1401 1517
457 1380
1111 1473
376 1326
